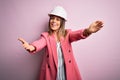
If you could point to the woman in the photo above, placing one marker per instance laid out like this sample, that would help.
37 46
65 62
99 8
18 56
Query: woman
58 62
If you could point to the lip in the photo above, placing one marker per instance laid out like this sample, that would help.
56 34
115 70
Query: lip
53 24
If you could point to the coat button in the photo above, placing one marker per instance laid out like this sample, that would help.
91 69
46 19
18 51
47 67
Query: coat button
48 66
47 56
69 61
69 51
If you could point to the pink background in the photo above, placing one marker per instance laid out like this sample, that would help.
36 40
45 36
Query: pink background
98 57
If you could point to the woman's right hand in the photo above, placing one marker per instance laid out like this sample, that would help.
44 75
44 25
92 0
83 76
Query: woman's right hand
26 45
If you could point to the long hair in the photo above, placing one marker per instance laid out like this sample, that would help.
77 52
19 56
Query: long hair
61 32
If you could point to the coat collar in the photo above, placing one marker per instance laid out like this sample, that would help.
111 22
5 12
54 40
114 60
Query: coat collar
53 44
54 49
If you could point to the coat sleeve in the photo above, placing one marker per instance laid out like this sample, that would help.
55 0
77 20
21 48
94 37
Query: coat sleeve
39 44
76 35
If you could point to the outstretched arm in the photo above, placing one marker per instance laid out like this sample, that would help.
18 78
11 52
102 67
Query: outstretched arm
93 28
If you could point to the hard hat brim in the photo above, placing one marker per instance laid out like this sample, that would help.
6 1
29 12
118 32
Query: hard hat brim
57 16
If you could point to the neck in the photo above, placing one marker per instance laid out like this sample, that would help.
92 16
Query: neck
56 36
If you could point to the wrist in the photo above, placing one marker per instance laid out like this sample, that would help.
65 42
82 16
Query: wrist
86 32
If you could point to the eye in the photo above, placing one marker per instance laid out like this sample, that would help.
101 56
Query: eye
51 17
58 19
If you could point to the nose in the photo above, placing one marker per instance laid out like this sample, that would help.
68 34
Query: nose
54 20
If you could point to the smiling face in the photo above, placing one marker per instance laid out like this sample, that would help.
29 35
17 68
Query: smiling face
55 23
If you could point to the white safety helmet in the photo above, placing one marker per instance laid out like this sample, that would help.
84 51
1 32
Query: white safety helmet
59 11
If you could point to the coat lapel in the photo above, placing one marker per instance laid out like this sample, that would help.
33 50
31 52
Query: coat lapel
54 49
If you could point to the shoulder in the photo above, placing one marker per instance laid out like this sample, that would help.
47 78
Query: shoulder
44 34
68 30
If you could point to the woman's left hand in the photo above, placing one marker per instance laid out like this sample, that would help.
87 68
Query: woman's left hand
95 26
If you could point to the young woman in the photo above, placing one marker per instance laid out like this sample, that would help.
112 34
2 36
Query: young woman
58 62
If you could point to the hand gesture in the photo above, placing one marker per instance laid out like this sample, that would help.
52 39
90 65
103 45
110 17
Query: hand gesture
27 46
95 26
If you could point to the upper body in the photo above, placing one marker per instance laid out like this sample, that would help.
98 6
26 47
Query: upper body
49 66
58 33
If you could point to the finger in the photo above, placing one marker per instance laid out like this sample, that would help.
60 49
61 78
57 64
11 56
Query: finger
101 26
25 45
22 40
27 48
99 23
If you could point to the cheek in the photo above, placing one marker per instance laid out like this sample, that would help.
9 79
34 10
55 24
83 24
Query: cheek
50 23
59 24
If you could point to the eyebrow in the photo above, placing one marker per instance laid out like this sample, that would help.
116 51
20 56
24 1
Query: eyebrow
51 16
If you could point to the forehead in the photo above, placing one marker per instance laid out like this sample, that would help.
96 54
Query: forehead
53 16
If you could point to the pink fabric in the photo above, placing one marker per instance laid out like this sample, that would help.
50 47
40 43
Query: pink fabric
49 66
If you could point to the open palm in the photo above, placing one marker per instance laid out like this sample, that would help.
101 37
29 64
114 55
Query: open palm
95 26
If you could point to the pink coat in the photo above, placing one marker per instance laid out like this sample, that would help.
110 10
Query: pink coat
49 67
